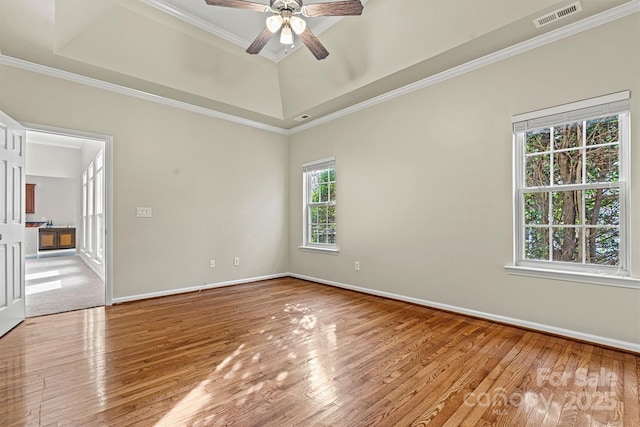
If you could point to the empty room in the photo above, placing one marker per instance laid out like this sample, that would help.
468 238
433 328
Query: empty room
326 213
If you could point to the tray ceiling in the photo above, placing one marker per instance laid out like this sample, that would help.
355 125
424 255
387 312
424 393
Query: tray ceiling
191 52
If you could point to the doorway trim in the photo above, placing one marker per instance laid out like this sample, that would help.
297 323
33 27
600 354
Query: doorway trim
108 183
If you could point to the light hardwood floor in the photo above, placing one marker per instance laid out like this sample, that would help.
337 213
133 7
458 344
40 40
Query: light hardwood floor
288 352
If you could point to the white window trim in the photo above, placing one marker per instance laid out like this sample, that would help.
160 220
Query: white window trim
306 246
600 275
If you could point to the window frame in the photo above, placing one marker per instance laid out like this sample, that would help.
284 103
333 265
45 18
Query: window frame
307 168
93 204
608 105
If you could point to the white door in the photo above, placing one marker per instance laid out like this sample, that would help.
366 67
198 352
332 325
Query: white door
12 205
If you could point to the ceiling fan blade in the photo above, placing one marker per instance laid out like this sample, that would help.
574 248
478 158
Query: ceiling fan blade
239 4
334 8
314 45
260 41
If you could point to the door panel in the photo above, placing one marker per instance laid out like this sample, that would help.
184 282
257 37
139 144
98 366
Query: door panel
16 190
12 148
4 287
17 271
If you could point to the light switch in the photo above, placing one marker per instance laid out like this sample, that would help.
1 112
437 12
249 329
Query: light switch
143 212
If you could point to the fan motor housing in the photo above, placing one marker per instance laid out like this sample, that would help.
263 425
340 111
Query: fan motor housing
292 5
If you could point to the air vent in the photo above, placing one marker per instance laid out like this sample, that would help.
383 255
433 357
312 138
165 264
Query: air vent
558 14
302 118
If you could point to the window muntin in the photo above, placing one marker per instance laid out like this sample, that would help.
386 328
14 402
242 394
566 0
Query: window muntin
320 203
571 191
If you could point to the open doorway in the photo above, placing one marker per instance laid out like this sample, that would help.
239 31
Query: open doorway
65 239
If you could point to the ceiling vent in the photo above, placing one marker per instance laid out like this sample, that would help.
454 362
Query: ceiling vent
558 14
302 118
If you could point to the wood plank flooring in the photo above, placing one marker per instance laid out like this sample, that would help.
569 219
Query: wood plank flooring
292 353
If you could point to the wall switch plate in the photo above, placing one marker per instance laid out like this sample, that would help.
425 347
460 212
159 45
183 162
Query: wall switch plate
356 266
212 263
236 261
143 212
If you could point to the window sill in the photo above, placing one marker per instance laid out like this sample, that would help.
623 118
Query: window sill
571 276
330 251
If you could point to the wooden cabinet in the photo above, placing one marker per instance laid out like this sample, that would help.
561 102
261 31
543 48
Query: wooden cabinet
30 199
56 238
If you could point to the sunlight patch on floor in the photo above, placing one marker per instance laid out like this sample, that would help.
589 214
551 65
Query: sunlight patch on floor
43 287
41 275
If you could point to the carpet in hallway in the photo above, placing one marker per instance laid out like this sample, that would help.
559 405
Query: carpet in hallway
58 284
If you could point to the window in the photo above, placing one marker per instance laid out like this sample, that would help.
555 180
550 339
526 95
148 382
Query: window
320 204
93 209
85 221
571 170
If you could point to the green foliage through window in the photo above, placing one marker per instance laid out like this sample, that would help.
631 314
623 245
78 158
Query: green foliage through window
562 222
321 206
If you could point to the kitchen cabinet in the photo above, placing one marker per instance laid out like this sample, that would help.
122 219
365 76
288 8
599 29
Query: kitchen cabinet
57 238
30 199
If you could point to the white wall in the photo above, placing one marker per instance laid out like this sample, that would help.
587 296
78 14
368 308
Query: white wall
425 187
56 200
54 161
217 189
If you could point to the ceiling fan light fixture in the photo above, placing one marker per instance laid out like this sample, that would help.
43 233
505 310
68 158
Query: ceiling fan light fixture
298 25
274 22
286 36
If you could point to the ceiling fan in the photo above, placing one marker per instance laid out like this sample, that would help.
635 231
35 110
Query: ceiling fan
285 15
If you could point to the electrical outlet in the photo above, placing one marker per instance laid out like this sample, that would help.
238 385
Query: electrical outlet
236 261
213 263
356 266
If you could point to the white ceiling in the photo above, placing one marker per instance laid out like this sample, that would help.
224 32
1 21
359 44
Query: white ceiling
55 140
188 51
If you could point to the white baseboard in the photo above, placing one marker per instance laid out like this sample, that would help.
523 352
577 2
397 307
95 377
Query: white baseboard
624 345
198 288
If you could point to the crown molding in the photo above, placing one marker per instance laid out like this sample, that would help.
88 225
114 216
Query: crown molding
608 16
123 90
206 26
536 42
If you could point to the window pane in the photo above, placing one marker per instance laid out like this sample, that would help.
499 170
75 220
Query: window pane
567 136
536 208
537 170
319 214
313 235
99 184
314 193
602 206
324 192
602 164
603 246
90 197
331 214
566 244
567 167
602 131
536 243
322 233
331 234
567 207
538 141
99 231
